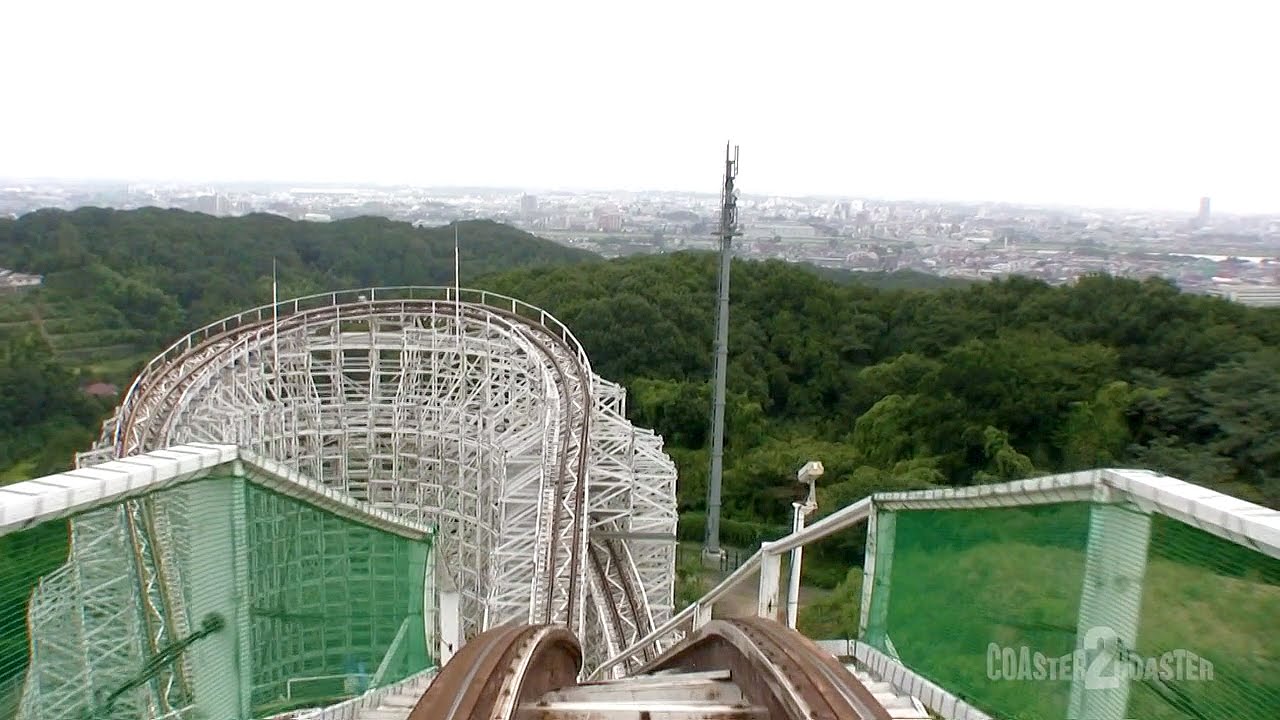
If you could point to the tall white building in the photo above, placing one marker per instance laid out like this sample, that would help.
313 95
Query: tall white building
1255 295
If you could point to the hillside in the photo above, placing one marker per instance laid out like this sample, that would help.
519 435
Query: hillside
894 388
121 283
902 388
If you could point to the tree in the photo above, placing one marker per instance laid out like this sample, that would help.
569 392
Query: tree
1003 461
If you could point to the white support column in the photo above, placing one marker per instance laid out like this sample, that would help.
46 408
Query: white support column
217 586
702 615
448 606
770 577
877 576
868 571
1110 604
416 642
797 556
430 605
450 624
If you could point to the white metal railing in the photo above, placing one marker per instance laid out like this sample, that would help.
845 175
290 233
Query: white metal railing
61 495
1233 519
767 560
360 296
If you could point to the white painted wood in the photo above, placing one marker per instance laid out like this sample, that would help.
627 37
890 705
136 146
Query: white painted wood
676 690
450 625
1110 608
665 677
656 710
770 578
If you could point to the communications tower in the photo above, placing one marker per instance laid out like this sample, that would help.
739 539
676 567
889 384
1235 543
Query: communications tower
711 552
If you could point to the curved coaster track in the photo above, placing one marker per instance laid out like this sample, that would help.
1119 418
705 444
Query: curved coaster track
467 411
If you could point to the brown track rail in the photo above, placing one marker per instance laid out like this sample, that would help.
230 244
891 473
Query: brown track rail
774 667
498 670
778 668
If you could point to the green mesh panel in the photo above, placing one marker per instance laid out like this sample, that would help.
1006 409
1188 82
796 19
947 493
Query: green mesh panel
1218 600
966 587
24 557
328 598
268 604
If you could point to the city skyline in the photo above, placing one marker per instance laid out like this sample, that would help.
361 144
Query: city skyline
1207 252
1189 209
1084 104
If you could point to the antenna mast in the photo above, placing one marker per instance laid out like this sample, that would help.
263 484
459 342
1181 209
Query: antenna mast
275 328
461 350
711 552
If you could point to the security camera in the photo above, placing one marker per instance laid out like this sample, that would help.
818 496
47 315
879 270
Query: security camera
811 471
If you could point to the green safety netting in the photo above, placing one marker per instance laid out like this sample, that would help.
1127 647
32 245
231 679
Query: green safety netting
215 598
996 605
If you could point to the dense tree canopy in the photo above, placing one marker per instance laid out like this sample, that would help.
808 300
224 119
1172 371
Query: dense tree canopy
891 387
44 416
120 285
892 380
166 271
991 381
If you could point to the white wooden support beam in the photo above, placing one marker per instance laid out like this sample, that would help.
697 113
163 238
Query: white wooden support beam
1110 608
770 577
702 615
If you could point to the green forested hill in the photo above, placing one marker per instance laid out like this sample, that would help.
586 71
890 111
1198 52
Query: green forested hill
154 274
890 388
120 285
991 381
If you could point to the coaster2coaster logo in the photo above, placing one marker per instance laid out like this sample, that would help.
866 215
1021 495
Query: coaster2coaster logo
1102 662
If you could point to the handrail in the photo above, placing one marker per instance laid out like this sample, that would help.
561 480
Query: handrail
840 520
62 495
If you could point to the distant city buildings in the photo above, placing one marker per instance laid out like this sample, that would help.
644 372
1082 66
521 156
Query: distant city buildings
1232 256
216 204
1202 218
1256 295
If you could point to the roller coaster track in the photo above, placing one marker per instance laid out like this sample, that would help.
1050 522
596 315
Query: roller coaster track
469 449
163 404
749 668
234 381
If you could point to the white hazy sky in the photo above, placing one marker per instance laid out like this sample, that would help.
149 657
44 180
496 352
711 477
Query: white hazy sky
1120 103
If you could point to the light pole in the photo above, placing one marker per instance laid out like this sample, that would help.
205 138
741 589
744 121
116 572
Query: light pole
808 475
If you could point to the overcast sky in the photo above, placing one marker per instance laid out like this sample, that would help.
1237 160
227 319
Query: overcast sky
1118 103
